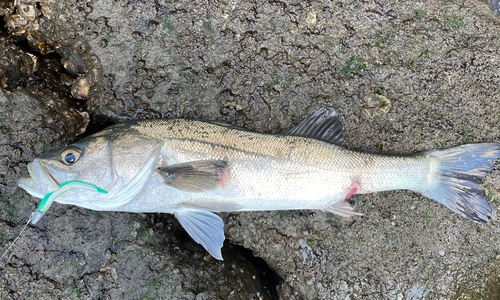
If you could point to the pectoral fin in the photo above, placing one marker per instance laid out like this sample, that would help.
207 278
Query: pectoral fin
196 176
206 228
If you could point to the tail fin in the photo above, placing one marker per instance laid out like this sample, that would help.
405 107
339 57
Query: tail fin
458 182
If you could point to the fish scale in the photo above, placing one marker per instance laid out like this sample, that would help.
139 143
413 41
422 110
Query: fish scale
332 169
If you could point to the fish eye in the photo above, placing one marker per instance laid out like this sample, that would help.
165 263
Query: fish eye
70 155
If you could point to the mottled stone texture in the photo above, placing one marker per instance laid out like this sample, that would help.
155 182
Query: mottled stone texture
406 76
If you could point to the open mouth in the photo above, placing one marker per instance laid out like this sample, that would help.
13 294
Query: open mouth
43 179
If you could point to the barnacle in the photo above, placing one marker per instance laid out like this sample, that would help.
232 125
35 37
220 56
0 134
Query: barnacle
80 88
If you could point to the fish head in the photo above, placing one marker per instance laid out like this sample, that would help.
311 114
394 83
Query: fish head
120 163
88 160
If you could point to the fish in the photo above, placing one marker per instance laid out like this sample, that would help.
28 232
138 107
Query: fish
195 169
495 6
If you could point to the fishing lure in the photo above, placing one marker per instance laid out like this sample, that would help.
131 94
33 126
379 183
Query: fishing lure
49 198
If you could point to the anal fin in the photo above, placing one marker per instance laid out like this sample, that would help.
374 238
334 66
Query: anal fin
206 228
343 209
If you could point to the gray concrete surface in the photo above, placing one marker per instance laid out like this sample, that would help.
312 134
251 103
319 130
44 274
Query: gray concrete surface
406 76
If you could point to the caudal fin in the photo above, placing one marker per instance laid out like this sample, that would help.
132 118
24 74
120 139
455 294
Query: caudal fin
457 180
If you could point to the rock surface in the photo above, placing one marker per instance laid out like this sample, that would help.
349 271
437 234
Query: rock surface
406 77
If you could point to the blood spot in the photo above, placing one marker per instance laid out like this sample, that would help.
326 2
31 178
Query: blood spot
353 189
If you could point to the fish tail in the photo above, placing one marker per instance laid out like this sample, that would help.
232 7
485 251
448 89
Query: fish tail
456 178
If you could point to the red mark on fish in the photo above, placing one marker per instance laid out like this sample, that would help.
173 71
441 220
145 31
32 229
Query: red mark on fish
353 189
223 178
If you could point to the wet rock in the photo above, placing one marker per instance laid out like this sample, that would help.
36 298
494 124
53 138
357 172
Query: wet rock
30 126
122 261
16 66
265 67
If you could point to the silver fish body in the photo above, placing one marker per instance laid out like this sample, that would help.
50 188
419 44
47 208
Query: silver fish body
270 172
193 168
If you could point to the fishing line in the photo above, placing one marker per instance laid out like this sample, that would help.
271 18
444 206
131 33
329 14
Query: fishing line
47 201
22 230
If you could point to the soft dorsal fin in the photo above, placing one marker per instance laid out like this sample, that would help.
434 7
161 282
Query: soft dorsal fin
196 176
322 125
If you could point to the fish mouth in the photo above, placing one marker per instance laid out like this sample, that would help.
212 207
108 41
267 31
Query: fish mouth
43 180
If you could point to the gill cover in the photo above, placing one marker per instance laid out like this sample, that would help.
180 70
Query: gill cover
131 158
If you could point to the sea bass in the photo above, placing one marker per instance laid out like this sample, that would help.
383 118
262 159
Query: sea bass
193 168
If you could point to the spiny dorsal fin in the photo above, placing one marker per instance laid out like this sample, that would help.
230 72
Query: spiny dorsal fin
322 125
196 176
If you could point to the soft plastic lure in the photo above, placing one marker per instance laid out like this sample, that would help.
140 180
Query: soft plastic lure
49 198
